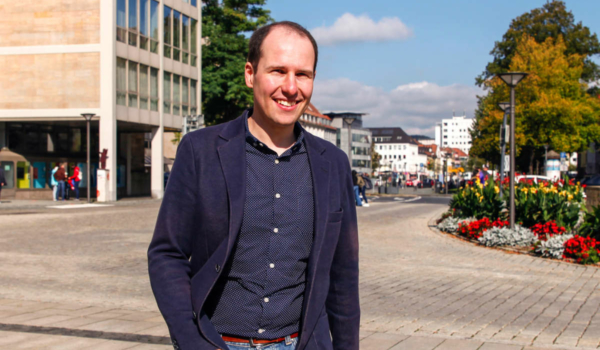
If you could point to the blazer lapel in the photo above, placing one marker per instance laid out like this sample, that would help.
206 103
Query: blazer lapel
232 156
320 168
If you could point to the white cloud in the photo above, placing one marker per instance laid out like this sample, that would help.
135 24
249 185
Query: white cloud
415 107
349 28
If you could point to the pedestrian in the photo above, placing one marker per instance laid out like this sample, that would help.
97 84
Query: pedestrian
484 175
256 241
2 182
60 176
74 181
368 185
54 183
357 181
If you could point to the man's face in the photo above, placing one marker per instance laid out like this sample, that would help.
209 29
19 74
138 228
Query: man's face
283 80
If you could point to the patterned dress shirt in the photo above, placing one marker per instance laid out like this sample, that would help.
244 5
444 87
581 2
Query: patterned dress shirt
261 290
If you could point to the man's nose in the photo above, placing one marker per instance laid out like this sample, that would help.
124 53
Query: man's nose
289 86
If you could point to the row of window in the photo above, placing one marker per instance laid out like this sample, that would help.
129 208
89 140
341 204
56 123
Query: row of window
391 147
137 23
137 87
361 163
360 138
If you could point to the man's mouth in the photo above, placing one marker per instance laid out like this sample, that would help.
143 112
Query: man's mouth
286 103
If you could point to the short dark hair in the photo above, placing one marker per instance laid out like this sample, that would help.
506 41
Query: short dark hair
261 33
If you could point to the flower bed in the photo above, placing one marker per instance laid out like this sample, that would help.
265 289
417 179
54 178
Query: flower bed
552 219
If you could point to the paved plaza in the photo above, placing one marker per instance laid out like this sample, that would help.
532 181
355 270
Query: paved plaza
77 279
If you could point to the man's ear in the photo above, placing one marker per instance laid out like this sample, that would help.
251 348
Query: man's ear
249 75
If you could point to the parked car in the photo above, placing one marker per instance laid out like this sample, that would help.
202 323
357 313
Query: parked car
535 178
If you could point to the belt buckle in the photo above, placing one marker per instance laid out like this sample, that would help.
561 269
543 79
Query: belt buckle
252 344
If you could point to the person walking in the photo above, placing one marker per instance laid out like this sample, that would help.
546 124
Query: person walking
54 183
256 241
60 176
74 181
357 181
367 185
2 182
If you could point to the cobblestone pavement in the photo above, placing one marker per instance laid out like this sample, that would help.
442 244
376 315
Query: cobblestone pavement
77 279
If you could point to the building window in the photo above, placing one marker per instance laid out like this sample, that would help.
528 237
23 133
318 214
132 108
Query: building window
185 39
144 86
176 95
167 32
133 29
132 84
167 93
144 24
194 2
194 43
121 81
154 89
185 97
361 163
176 35
154 26
121 21
193 97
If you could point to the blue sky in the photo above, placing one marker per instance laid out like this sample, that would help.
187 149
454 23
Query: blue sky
422 68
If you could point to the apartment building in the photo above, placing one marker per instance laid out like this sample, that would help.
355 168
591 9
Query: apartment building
318 124
135 64
454 133
399 152
353 137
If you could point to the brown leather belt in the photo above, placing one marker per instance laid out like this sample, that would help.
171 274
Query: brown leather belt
255 341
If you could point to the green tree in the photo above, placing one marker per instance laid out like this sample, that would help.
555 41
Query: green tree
375 158
552 105
225 28
550 21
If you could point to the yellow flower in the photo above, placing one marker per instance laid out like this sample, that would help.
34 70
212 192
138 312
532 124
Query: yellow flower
578 183
524 189
533 190
553 190
563 193
496 189
545 190
570 197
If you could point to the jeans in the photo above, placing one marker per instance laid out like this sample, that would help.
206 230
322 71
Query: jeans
357 197
363 191
60 193
284 345
76 185
54 191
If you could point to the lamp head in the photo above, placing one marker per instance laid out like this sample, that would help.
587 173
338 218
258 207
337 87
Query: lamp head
349 120
88 116
504 106
512 78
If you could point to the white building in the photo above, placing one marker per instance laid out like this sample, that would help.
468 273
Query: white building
455 133
360 141
399 152
318 124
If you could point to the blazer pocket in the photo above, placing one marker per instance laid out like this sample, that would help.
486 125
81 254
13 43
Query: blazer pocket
335 216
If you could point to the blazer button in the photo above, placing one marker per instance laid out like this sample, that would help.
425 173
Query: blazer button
217 268
194 314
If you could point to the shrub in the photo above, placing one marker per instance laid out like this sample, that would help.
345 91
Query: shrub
450 224
475 229
553 247
504 236
478 201
547 230
583 249
591 224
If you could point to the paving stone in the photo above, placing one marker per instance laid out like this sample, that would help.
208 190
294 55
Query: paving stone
418 342
499 346
459 344
381 341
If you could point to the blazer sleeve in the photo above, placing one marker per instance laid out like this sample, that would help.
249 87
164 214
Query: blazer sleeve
170 250
342 305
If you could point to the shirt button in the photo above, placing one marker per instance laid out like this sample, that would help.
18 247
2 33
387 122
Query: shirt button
276 161
277 195
272 266
266 300
261 331
260 144
275 230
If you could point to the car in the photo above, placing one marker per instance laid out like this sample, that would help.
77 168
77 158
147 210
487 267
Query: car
535 178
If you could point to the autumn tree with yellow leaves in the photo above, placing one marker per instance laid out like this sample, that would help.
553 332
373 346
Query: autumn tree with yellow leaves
553 107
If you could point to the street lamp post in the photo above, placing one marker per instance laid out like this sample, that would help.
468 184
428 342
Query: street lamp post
88 118
512 79
505 106
349 121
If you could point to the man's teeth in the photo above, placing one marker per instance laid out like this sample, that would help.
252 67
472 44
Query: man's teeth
286 103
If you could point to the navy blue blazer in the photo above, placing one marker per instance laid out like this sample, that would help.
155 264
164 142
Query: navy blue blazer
200 218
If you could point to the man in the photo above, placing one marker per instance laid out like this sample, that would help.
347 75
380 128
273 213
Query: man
2 181
60 176
483 175
256 242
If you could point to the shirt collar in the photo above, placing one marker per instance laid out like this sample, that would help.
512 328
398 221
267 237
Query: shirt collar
256 143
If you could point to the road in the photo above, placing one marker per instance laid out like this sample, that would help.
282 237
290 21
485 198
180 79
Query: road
78 279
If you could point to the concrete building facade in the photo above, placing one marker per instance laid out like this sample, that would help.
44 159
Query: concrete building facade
318 124
360 139
399 152
135 64
455 133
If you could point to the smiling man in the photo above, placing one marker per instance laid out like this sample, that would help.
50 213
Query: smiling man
256 243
